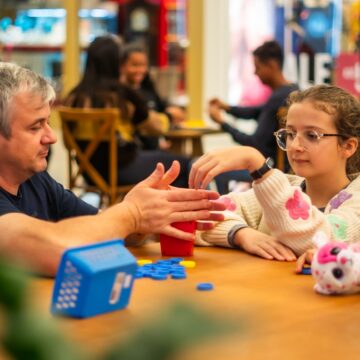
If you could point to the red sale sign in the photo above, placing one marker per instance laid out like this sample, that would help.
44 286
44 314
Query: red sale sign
347 73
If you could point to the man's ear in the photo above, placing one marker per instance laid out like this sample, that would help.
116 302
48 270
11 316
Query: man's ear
274 65
349 147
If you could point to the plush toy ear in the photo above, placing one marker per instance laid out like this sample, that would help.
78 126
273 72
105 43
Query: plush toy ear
320 239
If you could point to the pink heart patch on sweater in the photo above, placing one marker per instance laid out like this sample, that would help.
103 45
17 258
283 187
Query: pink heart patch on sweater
297 206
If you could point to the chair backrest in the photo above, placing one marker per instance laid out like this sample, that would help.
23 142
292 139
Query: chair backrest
92 127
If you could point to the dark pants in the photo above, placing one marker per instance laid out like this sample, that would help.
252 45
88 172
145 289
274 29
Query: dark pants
135 164
145 162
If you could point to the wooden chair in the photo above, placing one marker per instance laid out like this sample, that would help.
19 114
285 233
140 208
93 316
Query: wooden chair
94 126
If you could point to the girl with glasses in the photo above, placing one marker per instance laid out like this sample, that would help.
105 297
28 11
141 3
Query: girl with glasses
279 216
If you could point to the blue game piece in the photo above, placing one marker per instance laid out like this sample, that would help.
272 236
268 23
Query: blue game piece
306 270
205 286
178 275
156 276
94 279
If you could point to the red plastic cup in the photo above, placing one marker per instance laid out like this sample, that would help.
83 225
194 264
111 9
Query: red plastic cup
171 246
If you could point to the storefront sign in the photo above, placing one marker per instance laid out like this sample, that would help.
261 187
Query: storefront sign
347 73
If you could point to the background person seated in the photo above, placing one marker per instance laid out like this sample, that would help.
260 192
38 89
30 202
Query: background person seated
134 69
268 62
100 88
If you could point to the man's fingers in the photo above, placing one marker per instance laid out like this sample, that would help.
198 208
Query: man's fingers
190 216
182 195
179 234
204 225
170 176
154 178
214 216
218 206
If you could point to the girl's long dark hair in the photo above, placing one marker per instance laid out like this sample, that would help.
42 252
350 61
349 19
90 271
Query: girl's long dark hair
100 82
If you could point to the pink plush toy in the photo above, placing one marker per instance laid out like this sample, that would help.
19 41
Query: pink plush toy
335 266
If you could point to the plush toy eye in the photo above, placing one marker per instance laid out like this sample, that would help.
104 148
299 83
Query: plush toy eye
335 251
338 273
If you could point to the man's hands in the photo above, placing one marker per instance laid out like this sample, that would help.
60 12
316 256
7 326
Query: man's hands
219 103
178 115
263 245
221 160
153 210
215 108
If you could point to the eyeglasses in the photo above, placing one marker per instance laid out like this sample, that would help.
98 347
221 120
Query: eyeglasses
309 138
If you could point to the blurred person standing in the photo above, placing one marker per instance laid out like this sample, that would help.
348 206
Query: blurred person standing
268 62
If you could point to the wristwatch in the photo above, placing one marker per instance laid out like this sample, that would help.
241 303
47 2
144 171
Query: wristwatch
259 173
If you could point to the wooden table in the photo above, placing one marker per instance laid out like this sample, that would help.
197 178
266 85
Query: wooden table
283 318
188 141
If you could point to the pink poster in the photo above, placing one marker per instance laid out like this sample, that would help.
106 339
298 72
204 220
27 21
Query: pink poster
347 72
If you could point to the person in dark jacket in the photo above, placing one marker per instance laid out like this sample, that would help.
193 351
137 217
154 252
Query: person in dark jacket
268 61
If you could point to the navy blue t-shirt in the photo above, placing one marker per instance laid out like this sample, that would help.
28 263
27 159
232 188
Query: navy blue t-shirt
44 198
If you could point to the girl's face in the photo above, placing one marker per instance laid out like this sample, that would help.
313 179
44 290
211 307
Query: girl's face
311 159
135 68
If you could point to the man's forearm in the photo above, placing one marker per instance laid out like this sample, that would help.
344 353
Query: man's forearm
40 244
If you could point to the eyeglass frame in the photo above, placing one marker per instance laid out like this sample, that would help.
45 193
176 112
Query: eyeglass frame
319 136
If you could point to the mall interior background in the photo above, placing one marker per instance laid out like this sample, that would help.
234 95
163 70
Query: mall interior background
198 49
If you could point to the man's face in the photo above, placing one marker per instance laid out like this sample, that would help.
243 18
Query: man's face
264 70
25 152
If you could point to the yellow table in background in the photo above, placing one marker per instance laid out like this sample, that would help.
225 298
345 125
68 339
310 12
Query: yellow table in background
281 315
187 139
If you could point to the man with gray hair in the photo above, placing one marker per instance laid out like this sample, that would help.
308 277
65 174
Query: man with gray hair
39 219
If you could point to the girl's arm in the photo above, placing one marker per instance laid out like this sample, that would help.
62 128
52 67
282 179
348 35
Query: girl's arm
293 219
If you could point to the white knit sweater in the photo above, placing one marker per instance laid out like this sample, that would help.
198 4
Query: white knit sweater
277 206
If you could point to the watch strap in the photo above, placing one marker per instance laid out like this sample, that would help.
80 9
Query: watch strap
259 173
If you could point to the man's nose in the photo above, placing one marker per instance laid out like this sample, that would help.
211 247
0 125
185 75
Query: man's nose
49 136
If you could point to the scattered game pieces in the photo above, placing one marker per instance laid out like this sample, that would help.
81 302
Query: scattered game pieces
162 269
188 263
205 286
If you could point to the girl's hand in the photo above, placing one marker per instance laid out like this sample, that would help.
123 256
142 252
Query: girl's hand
263 245
305 258
221 160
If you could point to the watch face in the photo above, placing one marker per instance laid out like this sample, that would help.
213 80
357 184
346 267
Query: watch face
270 161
